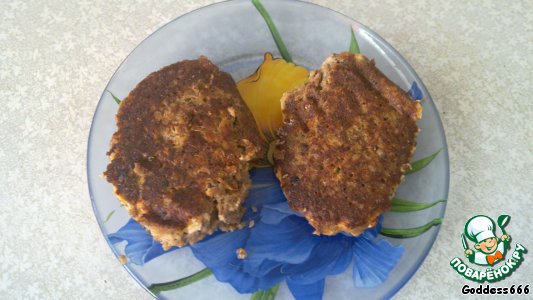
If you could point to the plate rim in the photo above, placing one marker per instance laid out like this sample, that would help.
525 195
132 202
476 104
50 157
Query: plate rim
401 283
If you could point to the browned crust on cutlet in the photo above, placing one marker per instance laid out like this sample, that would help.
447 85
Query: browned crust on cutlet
347 139
180 156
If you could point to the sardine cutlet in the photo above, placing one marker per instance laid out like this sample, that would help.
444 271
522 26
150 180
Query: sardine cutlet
347 138
181 154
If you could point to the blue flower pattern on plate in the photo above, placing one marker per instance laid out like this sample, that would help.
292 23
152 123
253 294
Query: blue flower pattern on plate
415 92
280 246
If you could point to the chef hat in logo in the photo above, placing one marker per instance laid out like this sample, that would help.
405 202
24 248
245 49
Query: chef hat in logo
479 228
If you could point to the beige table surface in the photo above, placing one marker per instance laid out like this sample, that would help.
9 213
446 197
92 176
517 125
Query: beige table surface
476 58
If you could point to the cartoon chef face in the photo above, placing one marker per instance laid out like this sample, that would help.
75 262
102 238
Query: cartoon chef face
487 245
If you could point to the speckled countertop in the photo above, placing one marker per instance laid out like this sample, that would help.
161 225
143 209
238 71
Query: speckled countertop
475 57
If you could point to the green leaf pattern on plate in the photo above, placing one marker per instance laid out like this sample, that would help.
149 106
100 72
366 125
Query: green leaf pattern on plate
273 30
157 288
354 46
109 216
269 294
401 205
420 164
403 233
117 100
111 213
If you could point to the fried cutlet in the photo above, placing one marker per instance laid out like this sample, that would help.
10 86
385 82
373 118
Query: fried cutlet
347 138
181 154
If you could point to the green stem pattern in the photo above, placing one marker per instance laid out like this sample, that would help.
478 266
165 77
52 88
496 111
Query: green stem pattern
273 30
401 205
109 216
354 46
422 163
157 288
269 294
409 232
117 100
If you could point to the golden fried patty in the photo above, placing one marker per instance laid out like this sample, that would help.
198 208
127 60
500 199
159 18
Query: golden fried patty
347 138
180 156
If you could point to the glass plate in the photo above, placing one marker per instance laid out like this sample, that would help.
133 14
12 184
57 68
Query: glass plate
234 36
